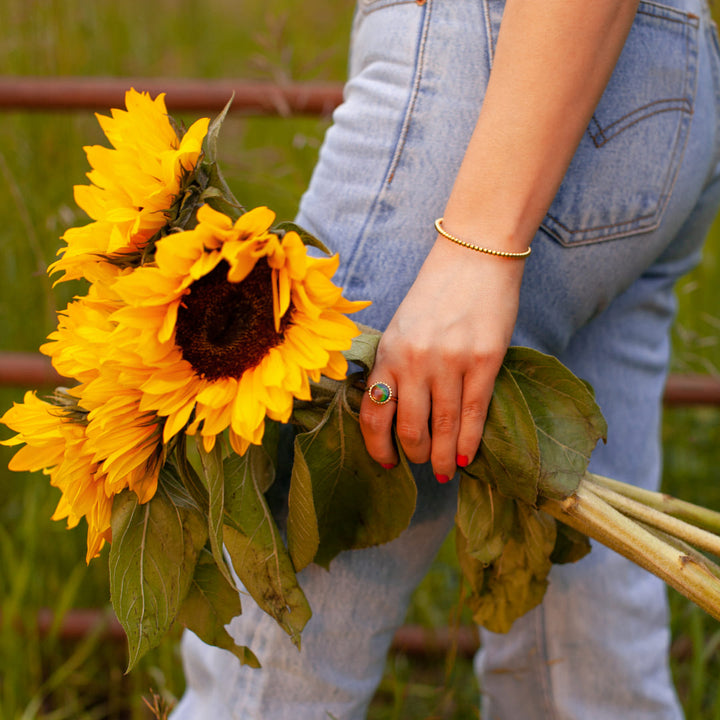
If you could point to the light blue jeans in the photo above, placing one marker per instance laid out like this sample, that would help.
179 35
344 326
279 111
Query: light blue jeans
628 220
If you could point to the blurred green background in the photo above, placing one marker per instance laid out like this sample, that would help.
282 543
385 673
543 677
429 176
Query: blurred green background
266 161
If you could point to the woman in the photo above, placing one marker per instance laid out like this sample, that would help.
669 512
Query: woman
587 131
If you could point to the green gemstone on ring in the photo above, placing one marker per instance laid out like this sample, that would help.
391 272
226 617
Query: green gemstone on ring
380 393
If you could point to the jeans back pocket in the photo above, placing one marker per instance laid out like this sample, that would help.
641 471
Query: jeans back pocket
623 172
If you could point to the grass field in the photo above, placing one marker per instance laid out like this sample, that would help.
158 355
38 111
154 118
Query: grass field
267 161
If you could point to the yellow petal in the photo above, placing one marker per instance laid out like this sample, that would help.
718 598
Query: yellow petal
255 222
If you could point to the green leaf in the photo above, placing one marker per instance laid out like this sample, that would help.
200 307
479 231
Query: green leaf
484 517
213 479
568 421
255 546
210 604
223 199
302 525
188 476
257 462
363 349
307 238
214 189
509 456
211 138
152 560
269 459
357 503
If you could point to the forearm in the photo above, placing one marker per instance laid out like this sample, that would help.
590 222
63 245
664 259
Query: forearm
552 62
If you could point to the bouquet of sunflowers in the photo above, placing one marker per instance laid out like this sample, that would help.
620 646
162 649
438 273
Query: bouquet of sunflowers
211 347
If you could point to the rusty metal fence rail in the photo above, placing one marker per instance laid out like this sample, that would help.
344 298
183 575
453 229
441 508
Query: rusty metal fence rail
56 94
32 370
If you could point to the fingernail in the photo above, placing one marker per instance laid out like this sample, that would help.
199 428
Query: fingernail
442 478
462 460
388 466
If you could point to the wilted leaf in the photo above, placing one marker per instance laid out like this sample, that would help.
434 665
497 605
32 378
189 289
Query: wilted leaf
152 560
570 545
357 503
568 421
516 581
473 570
256 548
210 604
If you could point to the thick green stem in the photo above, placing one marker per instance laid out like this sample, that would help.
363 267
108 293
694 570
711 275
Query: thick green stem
695 515
591 515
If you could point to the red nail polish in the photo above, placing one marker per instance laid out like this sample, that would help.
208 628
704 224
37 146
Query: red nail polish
462 460
388 466
442 478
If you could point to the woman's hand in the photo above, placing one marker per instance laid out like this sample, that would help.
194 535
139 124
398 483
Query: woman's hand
440 355
445 344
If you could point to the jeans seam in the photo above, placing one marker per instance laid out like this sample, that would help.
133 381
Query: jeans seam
362 236
713 41
419 61
489 34
544 664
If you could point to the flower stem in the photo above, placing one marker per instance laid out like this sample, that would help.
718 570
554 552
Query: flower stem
683 547
695 515
695 536
591 515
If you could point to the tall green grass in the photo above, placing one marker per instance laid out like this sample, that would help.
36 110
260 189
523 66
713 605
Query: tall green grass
267 161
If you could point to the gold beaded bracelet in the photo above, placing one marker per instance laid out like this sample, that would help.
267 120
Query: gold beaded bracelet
479 248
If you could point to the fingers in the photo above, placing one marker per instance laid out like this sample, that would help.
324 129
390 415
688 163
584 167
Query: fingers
413 413
376 423
447 397
477 393
411 424
440 420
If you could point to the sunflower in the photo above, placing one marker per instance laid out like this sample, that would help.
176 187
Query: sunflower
90 454
133 185
57 444
77 346
123 440
228 325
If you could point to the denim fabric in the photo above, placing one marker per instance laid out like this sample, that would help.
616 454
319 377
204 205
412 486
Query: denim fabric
629 219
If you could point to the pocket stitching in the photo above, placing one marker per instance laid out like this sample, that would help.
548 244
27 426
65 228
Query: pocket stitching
635 225
666 14
601 136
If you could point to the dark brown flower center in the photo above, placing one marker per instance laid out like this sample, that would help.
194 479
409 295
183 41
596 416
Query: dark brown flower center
225 328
